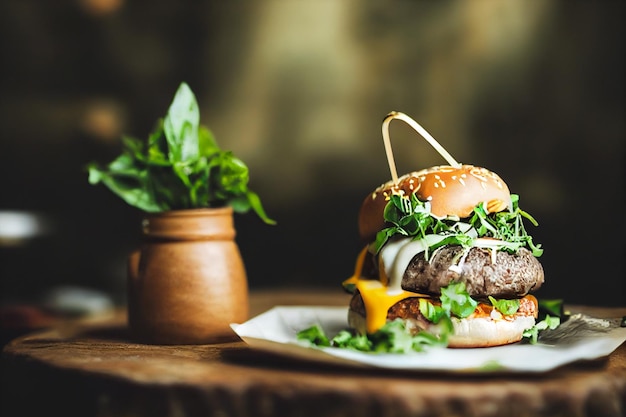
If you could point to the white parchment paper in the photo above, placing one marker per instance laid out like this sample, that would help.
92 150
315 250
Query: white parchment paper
579 338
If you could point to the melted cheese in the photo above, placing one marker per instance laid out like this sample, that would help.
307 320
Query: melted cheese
378 299
380 295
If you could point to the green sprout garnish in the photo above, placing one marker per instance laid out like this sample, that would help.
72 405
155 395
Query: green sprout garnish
393 337
411 217
504 306
550 322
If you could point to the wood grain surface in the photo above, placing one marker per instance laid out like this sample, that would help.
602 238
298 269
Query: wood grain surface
93 368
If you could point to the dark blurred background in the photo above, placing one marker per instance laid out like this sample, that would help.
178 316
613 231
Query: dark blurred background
298 90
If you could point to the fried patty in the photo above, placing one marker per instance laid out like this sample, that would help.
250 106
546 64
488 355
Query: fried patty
512 275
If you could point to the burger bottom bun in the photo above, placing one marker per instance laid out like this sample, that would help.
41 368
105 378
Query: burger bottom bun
485 331
468 332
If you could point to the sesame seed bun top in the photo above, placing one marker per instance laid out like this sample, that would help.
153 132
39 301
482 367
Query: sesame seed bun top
452 191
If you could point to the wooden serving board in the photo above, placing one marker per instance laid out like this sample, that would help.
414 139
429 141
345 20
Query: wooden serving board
93 368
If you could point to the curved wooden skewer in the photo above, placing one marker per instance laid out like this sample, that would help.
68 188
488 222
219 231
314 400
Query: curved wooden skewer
419 129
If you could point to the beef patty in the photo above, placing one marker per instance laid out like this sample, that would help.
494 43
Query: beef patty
512 275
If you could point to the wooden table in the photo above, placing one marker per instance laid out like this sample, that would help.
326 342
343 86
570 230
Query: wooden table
91 368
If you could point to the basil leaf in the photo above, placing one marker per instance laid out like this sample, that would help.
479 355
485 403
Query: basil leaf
314 334
436 314
551 307
127 183
455 299
348 340
255 203
394 337
233 176
207 145
432 312
549 322
181 125
382 237
157 153
506 307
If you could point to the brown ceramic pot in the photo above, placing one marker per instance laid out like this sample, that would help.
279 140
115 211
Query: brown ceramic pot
187 282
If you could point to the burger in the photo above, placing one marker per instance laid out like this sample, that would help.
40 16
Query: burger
446 253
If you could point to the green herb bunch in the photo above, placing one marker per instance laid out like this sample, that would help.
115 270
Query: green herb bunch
179 166
408 216
393 337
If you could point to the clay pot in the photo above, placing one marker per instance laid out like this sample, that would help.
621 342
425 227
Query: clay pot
187 282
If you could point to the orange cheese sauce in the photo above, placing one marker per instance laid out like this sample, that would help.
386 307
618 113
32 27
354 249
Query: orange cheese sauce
378 300
377 296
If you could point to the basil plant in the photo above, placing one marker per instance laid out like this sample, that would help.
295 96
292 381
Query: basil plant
179 166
